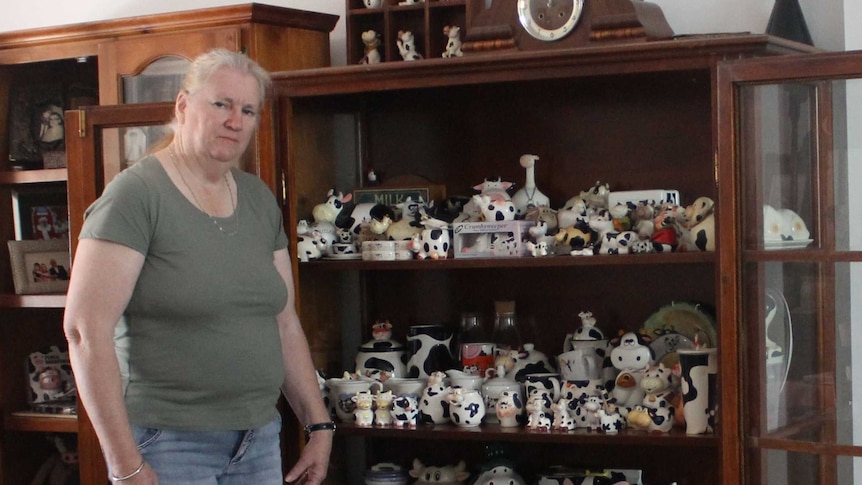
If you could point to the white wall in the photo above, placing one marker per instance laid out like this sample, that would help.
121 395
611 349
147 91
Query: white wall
824 17
17 15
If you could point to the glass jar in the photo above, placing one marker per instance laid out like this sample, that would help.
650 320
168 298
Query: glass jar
506 335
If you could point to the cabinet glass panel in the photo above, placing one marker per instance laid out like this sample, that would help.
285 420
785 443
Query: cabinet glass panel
122 147
158 82
799 159
848 167
781 162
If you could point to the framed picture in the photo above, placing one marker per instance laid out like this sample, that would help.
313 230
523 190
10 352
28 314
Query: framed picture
36 124
40 214
40 266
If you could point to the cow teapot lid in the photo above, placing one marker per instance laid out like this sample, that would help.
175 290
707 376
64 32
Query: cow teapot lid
382 340
495 377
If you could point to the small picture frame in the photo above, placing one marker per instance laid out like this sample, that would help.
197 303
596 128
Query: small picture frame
40 266
42 214
36 125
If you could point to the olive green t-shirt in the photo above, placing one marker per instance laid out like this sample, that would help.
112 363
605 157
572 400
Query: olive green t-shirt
198 344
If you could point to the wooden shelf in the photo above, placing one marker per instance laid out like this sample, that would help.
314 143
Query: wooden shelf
526 262
42 176
55 423
492 432
33 301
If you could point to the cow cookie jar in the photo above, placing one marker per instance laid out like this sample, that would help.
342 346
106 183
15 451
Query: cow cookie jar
381 357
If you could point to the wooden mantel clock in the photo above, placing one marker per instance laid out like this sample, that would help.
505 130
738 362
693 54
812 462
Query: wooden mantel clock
494 25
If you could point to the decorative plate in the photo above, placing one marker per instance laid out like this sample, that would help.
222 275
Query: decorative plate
790 244
688 319
665 348
778 328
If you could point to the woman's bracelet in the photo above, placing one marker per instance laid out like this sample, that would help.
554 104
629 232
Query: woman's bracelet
311 428
138 470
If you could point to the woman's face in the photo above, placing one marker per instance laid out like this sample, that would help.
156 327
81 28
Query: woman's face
218 120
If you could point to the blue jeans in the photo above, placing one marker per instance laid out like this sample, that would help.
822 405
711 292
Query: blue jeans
244 457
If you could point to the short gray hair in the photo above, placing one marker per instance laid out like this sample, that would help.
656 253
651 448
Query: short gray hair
205 65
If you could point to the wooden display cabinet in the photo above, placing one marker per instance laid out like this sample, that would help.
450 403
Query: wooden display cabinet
639 116
95 58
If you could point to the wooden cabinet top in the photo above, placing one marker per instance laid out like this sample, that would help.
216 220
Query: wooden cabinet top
169 22
693 52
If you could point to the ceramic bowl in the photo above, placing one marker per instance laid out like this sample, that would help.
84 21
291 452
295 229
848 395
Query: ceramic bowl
341 249
405 385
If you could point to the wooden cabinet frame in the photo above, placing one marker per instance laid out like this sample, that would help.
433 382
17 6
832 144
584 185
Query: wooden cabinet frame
454 122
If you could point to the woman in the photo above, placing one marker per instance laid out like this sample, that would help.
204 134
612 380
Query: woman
180 349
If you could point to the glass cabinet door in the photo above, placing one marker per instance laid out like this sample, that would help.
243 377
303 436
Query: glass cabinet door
791 154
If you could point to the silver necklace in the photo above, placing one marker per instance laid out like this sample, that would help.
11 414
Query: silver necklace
201 206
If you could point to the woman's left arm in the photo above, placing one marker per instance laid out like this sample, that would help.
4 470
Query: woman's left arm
300 385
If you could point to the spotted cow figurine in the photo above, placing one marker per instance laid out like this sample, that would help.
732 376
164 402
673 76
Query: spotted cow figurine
563 420
433 405
611 241
405 411
537 418
431 243
311 246
407 46
586 412
453 41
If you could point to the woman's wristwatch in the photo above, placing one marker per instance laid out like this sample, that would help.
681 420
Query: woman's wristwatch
311 428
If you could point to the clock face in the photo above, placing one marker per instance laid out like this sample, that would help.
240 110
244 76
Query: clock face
549 20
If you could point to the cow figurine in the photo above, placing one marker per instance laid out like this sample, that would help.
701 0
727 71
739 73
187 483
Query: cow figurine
364 413
495 209
611 241
644 418
439 475
699 226
596 197
502 474
537 418
632 355
405 411
326 213
453 42
372 42
407 46
588 329
612 422
562 417
587 412
433 405
431 243
409 224
509 408
311 246
383 402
